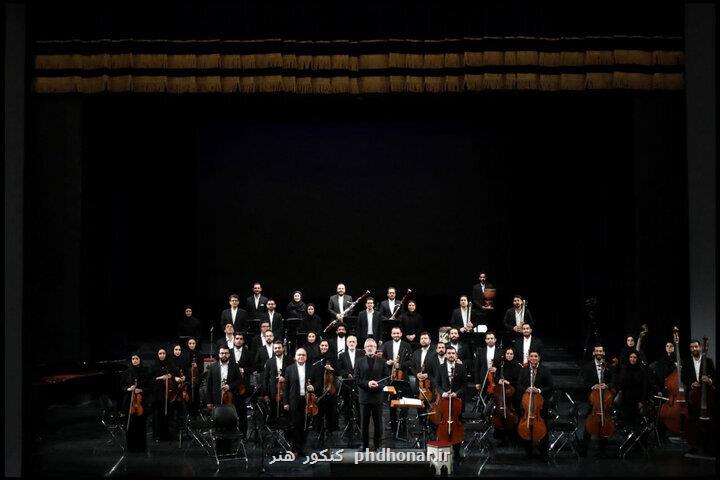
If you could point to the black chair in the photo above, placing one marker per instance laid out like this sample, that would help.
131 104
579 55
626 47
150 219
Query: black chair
563 427
113 421
479 424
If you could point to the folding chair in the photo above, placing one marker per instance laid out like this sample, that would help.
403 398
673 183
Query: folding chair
480 425
223 433
562 429
636 433
113 421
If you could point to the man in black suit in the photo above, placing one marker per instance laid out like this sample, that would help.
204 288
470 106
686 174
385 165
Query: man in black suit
596 374
222 376
264 352
258 340
389 306
300 379
240 358
487 359
450 380
369 371
420 364
228 337
694 377
514 319
256 303
235 315
399 350
369 323
463 351
347 361
274 373
274 318
465 318
478 291
525 344
541 380
437 360
338 303
338 343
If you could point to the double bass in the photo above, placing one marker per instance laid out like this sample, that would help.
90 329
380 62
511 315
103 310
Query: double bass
504 417
674 411
532 427
599 422
450 429
701 405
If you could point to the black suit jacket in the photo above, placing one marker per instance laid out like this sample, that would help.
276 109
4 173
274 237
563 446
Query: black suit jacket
405 352
260 358
241 319
221 342
345 366
334 305
364 375
277 324
457 321
246 363
463 352
688 372
362 327
385 309
509 320
253 312
589 374
543 381
481 364
442 379
477 294
292 385
416 367
270 374
213 384
535 344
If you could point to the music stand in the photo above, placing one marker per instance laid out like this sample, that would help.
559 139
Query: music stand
402 389
352 422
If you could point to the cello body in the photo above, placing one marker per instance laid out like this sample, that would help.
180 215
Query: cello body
504 417
674 412
532 427
450 429
599 422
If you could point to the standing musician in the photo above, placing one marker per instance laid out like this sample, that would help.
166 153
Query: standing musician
369 323
266 351
192 359
421 365
411 323
338 303
338 342
487 360
178 408
241 361
389 306
296 308
228 338
463 351
543 385
465 319
527 343
189 326
661 368
327 362
134 382
347 364
274 373
693 378
161 374
312 322
632 384
478 291
311 347
398 353
450 380
516 317
300 379
592 373
235 315
369 371
275 318
259 340
508 373
630 346
256 303
438 360
222 377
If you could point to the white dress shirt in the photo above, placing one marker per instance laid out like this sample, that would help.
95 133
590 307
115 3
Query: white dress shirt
519 316
224 371
370 317
526 348
423 354
599 369
391 305
257 300
279 363
301 377
464 314
340 344
341 303
696 364
233 312
396 349
490 355
351 354
238 354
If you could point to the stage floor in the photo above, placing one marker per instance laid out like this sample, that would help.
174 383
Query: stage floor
73 442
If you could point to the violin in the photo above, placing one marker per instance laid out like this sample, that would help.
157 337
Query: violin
397 373
674 412
136 408
227 396
599 422
424 391
329 380
450 429
311 406
182 390
701 404
504 416
194 378
532 427
241 389
279 391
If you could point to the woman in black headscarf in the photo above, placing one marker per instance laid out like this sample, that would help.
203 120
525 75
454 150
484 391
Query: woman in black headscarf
161 374
179 406
296 308
192 359
312 347
311 322
134 382
632 385
411 323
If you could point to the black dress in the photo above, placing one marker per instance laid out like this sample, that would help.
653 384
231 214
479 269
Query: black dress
190 356
161 415
632 384
411 324
311 323
137 425
296 310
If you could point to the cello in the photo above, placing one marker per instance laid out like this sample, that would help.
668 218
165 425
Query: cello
450 429
532 427
674 412
701 403
599 422
504 416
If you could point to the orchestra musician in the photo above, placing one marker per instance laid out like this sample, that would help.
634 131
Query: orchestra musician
189 326
162 371
478 292
338 303
460 319
228 338
543 385
235 315
327 361
527 343
450 380
312 348
693 378
256 303
514 319
178 408
274 318
274 373
396 352
487 359
630 346
421 365
463 351
311 322
338 342
411 323
369 371
632 384
369 323
296 308
438 360
347 364
389 306
192 358
135 379
508 372
592 373
222 377
241 361
259 340
300 379
266 351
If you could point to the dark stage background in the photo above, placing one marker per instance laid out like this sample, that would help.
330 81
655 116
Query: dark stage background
139 204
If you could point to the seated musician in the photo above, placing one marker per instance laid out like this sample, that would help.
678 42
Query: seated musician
397 353
311 347
240 358
347 362
411 323
541 380
274 374
596 374
300 379
450 380
135 379
328 362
